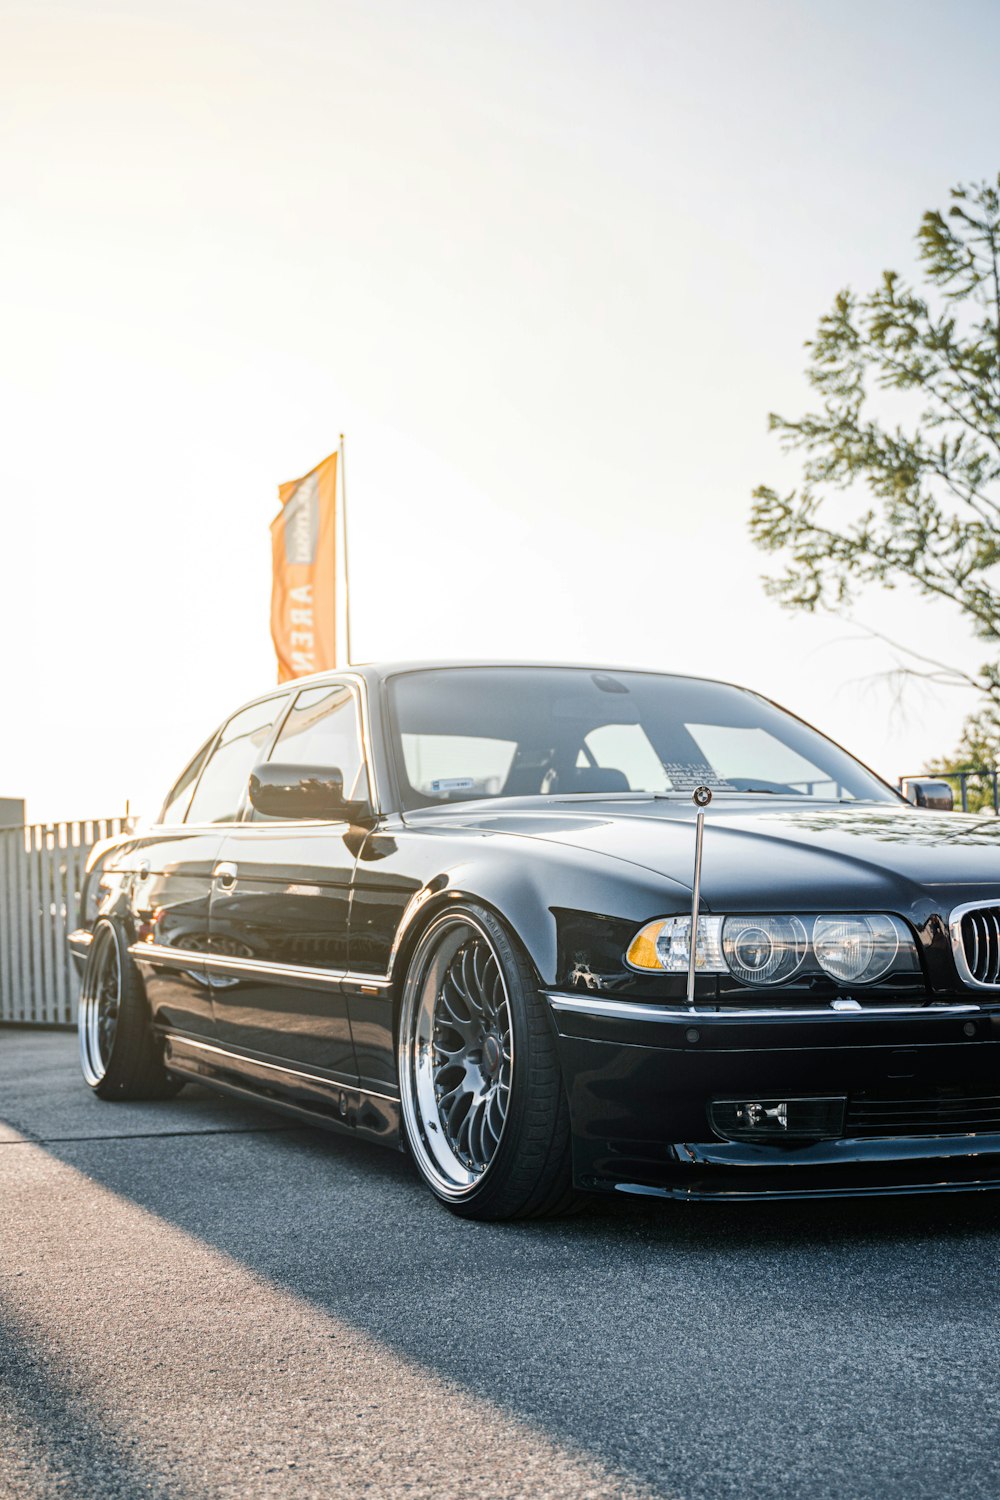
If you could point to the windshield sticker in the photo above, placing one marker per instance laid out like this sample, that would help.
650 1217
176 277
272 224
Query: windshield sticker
685 775
453 784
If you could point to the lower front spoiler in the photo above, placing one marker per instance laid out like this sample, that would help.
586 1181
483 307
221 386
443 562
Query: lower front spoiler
875 1168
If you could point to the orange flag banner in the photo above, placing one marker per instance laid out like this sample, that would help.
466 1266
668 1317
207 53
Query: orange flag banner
304 554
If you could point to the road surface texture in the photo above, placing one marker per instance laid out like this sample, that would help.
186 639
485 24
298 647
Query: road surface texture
199 1299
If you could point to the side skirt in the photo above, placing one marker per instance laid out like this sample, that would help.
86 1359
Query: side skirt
307 1096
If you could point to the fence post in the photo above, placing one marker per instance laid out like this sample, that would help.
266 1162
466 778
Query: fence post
7 984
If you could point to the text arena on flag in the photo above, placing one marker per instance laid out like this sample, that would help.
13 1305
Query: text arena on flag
304 557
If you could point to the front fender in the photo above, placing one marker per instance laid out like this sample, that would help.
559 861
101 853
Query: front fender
574 913
102 893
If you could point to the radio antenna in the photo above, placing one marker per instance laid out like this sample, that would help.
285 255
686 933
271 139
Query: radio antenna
701 797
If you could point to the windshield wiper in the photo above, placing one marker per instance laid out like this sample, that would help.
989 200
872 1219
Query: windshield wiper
724 791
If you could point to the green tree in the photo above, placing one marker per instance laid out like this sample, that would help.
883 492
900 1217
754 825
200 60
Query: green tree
901 457
979 749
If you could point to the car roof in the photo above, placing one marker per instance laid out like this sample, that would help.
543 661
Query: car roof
380 671
375 673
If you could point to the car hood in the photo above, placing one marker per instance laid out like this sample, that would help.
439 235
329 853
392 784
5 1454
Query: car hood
774 853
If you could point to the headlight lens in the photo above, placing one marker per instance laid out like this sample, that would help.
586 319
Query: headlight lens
764 950
855 950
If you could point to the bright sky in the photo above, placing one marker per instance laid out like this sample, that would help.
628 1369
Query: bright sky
548 264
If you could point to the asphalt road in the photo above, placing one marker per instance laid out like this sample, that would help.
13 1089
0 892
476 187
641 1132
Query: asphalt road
197 1299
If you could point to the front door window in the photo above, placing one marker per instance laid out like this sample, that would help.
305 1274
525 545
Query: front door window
219 794
323 730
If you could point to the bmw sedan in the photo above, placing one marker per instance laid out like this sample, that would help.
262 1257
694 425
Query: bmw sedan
557 930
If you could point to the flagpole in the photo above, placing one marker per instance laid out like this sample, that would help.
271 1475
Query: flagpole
347 571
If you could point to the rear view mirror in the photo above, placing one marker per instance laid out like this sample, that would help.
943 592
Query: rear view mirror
936 795
283 791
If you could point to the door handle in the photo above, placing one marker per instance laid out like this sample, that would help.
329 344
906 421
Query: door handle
225 873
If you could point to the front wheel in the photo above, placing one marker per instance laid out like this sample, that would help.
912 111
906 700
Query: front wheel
484 1108
119 1055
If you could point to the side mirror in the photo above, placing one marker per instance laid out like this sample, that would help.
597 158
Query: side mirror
304 792
936 795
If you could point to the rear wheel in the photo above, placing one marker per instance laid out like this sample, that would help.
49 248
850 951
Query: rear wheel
119 1055
484 1109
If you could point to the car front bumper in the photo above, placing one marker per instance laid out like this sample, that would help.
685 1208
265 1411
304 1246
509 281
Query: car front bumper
641 1078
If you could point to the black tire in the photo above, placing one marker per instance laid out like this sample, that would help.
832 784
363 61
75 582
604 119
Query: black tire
120 1056
505 1154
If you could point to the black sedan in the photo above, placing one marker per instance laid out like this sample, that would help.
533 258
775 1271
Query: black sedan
449 907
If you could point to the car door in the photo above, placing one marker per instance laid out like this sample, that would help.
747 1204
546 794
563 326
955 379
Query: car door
280 904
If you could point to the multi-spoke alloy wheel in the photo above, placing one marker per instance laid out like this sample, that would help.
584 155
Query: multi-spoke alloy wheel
120 1056
471 1052
464 1054
100 1003
474 1050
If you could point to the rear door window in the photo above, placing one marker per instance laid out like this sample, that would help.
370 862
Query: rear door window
180 793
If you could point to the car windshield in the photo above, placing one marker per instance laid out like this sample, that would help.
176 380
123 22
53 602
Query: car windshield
461 733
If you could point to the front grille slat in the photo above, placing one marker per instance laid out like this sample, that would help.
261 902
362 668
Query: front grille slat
910 1110
946 1110
918 1106
919 1125
915 1124
976 940
924 1117
992 951
984 962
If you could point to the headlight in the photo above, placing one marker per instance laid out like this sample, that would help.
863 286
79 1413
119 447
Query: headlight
764 950
856 948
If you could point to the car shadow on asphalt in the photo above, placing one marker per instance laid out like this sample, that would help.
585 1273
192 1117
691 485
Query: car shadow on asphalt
632 1322
64 1447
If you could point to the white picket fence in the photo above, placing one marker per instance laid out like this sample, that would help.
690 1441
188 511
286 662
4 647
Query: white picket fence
41 871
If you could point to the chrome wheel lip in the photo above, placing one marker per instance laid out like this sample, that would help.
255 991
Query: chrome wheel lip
100 1004
451 1177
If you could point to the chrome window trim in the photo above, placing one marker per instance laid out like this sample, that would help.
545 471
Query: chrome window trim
183 958
958 946
638 1010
